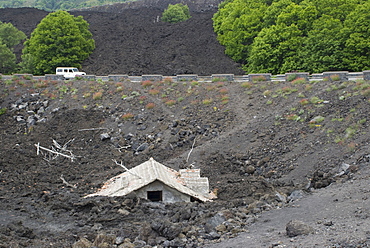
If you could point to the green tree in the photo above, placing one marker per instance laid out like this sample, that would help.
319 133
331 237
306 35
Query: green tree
323 47
237 23
357 46
10 36
176 13
12 3
60 39
274 50
277 36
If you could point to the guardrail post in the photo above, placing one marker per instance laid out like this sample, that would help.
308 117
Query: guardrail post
259 77
335 76
88 77
366 75
117 78
187 77
53 77
223 77
289 77
151 77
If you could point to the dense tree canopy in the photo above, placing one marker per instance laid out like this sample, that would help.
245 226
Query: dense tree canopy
10 36
176 13
279 36
60 39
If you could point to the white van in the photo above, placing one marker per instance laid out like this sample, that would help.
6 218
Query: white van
69 72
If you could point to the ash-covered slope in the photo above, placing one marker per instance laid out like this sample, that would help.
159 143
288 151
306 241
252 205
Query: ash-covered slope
131 39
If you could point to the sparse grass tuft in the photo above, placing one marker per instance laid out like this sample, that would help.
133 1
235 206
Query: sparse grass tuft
207 101
168 80
3 111
366 92
146 84
247 85
301 95
224 101
259 78
40 84
225 97
153 92
293 117
170 102
150 105
223 91
217 79
362 121
127 116
304 101
299 81
97 95
267 93
286 91
317 119
351 146
350 131
315 100
210 87
335 77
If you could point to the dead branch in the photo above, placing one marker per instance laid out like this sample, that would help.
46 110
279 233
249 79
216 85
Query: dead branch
124 167
64 147
93 129
192 147
123 147
71 157
66 183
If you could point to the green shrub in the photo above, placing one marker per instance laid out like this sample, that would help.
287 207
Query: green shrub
2 111
176 13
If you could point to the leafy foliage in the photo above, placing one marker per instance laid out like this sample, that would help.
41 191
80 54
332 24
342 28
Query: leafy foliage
176 13
278 36
60 39
10 36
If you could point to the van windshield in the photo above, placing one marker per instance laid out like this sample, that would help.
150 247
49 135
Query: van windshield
75 69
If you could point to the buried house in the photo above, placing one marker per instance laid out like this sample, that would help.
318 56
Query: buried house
154 181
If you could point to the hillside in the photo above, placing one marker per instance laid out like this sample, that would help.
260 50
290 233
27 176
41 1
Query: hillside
272 151
263 145
130 39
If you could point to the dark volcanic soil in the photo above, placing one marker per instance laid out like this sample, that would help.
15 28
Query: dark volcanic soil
130 39
262 145
273 151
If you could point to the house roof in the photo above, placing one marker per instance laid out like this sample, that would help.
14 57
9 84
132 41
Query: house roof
143 175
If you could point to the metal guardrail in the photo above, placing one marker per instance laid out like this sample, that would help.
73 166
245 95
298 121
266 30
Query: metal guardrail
351 76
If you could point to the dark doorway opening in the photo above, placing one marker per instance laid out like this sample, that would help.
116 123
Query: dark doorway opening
155 196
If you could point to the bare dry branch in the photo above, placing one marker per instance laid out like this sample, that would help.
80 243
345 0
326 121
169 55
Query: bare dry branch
192 147
124 167
123 147
93 129
66 183
71 157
